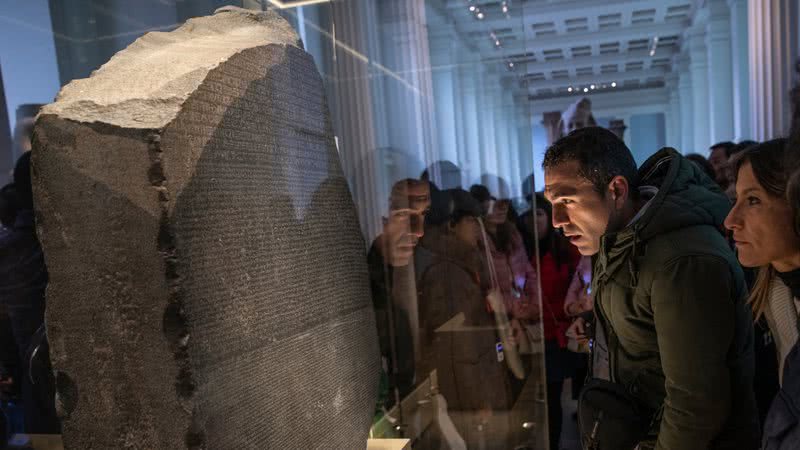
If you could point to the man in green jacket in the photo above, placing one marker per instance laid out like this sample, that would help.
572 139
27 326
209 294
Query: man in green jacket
669 294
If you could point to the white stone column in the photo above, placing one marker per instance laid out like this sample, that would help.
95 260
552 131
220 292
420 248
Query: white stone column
514 118
773 52
353 114
698 67
511 150
6 140
501 153
741 69
443 40
459 107
486 123
720 72
409 88
686 104
468 92
524 126
673 116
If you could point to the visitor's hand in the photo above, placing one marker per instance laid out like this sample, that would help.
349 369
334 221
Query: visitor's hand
577 331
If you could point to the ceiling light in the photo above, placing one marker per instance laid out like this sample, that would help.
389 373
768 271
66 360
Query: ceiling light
480 16
505 7
472 8
654 46
585 89
497 43
605 86
511 64
613 84
569 89
592 87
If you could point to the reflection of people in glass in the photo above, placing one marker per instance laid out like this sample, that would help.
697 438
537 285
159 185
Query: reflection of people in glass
459 339
557 263
402 229
393 284
444 174
579 296
515 275
526 223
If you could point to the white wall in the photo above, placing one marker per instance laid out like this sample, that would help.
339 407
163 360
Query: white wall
647 135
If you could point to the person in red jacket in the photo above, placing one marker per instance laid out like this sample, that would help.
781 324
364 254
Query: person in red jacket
557 261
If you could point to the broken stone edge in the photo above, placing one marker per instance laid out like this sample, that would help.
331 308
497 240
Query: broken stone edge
109 97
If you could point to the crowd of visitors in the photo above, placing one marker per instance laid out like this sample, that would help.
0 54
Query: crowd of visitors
667 293
638 283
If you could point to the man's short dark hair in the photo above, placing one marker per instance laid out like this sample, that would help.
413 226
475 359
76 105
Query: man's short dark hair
740 147
600 154
703 163
728 146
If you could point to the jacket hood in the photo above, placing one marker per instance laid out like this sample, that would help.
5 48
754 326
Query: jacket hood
686 197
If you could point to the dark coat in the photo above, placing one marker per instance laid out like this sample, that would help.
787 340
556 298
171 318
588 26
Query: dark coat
392 292
782 425
673 292
469 374
23 280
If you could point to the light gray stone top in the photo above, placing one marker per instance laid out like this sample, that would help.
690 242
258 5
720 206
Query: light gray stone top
145 85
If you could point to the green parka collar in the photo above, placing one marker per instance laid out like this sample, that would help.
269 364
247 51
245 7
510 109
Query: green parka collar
686 197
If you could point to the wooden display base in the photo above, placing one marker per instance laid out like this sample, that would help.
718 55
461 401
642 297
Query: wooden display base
388 444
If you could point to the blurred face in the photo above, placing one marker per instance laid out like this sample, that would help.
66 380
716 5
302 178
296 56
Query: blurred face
719 160
578 209
406 222
542 223
762 225
498 211
467 230
729 175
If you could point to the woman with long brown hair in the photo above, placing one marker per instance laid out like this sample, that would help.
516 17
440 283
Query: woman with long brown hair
764 229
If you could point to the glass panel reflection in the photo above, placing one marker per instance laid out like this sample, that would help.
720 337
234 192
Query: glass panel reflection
435 137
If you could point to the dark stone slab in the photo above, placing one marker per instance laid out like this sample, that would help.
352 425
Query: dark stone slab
208 278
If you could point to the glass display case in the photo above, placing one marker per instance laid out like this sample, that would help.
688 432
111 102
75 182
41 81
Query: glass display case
431 115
